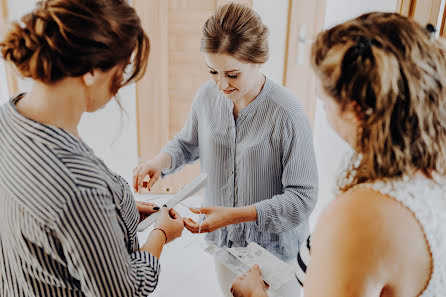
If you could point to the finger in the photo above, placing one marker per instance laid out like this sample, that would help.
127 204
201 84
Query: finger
195 210
191 225
153 179
146 203
164 212
147 210
256 269
205 227
141 175
175 215
135 177
190 228
190 220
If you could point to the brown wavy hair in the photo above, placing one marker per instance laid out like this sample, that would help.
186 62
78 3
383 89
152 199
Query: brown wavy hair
236 30
392 72
68 38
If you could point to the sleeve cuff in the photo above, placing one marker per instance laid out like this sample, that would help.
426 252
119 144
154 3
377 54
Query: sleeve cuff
173 166
262 215
147 270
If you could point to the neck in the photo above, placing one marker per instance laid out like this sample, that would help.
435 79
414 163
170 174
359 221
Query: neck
61 104
244 101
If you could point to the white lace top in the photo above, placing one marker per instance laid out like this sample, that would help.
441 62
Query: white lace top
426 198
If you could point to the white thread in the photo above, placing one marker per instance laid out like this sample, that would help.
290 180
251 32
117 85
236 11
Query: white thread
199 228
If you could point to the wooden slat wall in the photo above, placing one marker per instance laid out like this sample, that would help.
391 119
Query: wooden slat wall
426 11
405 7
151 92
443 23
423 11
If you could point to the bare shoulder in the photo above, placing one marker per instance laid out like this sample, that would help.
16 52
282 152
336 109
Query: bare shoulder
374 214
378 235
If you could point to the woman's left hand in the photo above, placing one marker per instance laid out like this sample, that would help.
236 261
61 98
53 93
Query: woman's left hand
145 209
216 217
250 285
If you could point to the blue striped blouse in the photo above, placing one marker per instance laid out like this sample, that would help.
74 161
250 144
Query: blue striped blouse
67 223
264 158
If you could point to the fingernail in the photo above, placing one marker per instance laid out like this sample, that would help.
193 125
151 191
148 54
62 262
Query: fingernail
139 188
164 205
156 208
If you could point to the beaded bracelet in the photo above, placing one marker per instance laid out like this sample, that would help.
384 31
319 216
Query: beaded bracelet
165 234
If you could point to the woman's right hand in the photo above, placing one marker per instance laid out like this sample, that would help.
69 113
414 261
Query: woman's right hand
170 222
150 168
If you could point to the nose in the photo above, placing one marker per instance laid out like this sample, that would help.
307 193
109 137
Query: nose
222 83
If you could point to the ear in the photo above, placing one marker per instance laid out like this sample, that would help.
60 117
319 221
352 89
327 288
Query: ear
89 78
356 111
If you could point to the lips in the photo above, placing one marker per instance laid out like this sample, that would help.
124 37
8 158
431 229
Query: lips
228 91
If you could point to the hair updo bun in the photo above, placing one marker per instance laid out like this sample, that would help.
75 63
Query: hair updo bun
68 38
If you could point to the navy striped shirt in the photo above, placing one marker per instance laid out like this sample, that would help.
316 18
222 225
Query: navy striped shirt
264 158
67 223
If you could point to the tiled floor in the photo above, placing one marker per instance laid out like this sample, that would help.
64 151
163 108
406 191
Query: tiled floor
186 269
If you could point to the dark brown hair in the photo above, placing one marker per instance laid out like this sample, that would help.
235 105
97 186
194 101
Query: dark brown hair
68 38
238 31
392 73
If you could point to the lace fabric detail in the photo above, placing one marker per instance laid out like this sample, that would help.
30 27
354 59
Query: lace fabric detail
426 198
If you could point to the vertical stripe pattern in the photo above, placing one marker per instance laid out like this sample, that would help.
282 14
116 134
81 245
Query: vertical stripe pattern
67 223
264 158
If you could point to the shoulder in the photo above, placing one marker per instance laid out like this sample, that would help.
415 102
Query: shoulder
365 227
284 99
207 89
84 172
287 106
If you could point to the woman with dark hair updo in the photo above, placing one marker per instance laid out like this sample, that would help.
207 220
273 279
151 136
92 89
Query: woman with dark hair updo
67 223
383 83
253 140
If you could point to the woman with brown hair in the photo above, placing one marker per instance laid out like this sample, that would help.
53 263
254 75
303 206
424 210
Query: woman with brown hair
383 84
253 140
67 223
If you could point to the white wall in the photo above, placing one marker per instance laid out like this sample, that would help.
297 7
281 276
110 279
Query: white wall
332 152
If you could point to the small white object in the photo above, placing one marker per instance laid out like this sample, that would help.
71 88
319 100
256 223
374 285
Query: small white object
193 187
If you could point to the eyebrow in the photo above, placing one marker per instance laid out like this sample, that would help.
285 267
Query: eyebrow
224 71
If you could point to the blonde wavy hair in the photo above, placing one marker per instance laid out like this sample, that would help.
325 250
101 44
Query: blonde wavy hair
392 72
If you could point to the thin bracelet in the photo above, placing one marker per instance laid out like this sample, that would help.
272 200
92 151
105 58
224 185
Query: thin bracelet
165 234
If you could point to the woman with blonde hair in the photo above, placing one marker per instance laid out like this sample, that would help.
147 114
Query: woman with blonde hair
383 84
253 140
67 223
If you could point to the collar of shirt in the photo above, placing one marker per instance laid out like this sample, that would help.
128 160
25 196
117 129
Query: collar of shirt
42 133
257 101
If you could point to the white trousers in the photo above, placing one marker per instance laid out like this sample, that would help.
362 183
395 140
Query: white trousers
226 277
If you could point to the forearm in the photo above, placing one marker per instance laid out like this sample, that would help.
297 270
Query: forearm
259 293
155 243
164 161
243 214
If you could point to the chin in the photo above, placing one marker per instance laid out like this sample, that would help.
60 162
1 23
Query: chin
232 96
